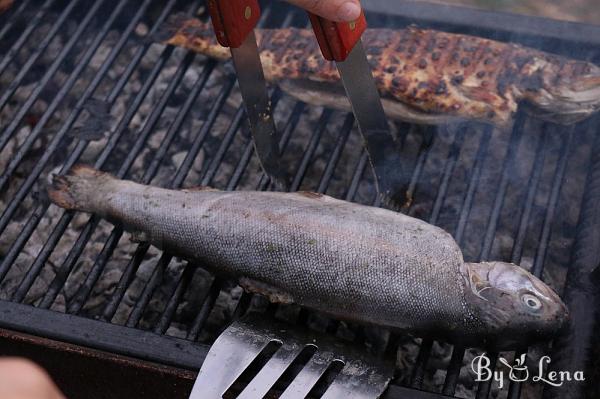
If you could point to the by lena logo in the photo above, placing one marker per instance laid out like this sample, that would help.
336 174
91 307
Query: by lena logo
519 372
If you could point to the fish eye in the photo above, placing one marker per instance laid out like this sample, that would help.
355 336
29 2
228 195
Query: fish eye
532 302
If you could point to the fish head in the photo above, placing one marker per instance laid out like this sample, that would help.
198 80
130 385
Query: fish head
514 306
562 92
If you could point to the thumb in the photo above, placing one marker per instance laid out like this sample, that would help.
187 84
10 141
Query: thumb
335 10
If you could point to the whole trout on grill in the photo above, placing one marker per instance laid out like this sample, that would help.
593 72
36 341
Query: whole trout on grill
351 261
423 76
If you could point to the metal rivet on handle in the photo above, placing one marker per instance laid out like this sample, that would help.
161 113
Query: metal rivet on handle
247 12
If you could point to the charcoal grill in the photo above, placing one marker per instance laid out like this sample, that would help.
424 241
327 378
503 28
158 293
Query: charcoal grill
84 81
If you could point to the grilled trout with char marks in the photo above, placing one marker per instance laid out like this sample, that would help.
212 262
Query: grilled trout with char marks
423 76
351 261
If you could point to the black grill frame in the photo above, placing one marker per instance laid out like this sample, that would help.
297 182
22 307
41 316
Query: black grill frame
156 346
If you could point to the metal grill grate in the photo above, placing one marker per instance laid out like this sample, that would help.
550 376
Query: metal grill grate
83 81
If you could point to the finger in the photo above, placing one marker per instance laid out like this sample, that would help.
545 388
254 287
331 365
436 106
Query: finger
23 379
336 10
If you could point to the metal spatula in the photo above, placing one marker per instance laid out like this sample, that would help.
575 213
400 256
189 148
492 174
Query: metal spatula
263 350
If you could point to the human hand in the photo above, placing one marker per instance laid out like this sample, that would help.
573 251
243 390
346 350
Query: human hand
335 10
23 379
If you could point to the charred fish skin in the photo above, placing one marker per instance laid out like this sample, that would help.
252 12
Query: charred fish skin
423 76
354 262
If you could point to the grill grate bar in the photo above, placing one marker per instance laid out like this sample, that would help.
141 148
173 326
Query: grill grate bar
78 248
458 352
191 155
40 260
8 132
177 123
416 379
149 288
35 268
76 303
67 216
534 180
207 304
336 154
171 307
453 372
68 264
359 171
235 124
310 149
538 264
507 173
447 174
53 145
133 265
467 204
124 282
154 117
123 125
24 69
422 156
116 233
31 26
141 138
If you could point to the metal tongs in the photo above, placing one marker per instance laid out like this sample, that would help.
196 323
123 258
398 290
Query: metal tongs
340 42
234 22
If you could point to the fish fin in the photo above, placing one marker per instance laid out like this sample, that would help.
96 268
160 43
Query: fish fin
477 284
192 34
139 237
332 95
78 188
310 194
274 294
169 28
199 188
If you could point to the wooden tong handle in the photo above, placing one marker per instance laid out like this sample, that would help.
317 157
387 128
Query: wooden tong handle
233 20
337 39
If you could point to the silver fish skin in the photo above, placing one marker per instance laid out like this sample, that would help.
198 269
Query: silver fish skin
354 262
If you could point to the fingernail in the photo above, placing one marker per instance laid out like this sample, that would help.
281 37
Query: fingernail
349 11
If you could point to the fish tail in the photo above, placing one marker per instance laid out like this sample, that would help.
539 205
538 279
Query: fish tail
80 189
192 34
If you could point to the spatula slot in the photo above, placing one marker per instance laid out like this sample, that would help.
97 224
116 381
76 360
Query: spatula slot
330 374
253 369
293 369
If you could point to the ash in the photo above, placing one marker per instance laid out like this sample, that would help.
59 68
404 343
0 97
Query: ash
432 150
